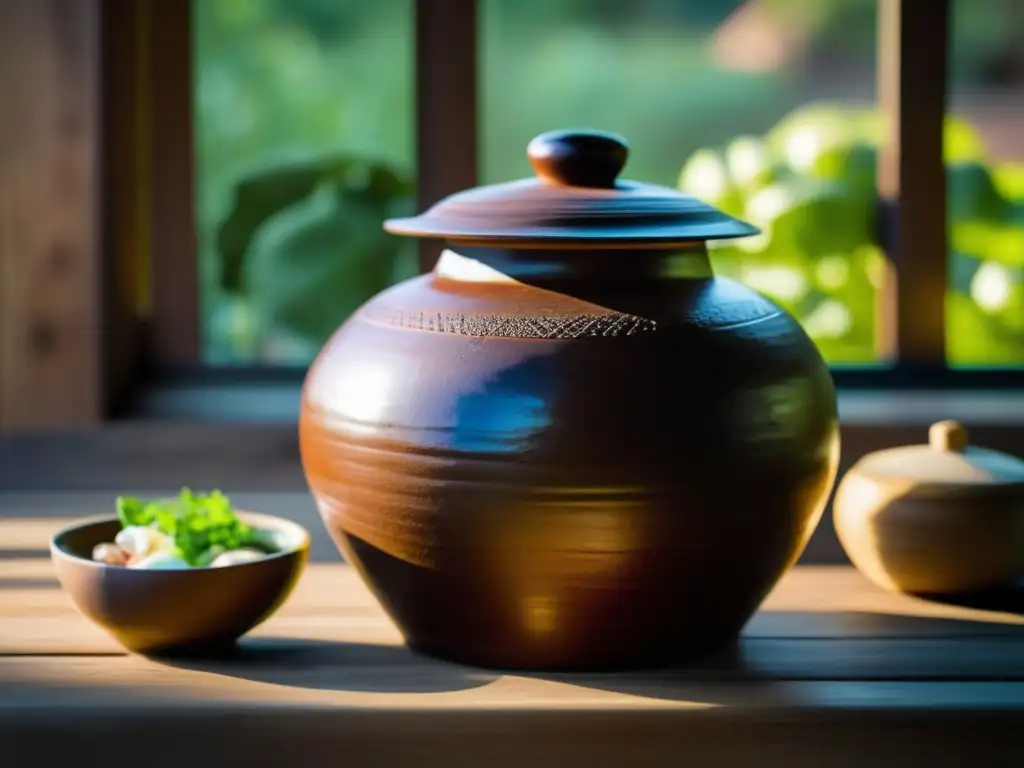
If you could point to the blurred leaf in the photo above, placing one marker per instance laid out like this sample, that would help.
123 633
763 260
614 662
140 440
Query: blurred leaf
802 134
820 127
1014 215
972 339
317 261
1009 180
370 185
1006 246
962 268
854 164
751 165
812 217
232 330
972 194
971 236
706 176
961 142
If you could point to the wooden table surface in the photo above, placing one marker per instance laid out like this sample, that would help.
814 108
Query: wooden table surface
832 671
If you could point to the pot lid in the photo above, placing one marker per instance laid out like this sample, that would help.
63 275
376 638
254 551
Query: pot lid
575 197
946 460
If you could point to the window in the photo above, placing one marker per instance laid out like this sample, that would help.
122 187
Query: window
251 147
766 108
985 156
304 143
747 105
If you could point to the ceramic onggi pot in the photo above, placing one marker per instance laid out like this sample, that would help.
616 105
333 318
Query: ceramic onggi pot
942 518
570 445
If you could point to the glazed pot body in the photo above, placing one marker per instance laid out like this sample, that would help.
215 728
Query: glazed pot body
586 459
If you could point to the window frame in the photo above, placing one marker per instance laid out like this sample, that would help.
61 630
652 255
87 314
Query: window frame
446 33
912 85
150 318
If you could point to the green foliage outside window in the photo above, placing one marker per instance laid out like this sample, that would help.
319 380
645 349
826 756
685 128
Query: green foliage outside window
304 136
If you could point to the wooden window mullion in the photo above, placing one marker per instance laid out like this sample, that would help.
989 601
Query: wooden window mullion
446 103
174 264
913 61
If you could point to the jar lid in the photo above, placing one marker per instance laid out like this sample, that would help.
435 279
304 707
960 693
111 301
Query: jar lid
576 197
947 460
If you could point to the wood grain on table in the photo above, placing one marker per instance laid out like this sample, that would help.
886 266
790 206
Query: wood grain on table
831 671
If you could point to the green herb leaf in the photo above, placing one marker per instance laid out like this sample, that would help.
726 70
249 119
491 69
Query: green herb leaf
202 525
132 511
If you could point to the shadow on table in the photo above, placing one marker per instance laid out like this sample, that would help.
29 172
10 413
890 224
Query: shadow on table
1008 599
339 666
844 646
778 647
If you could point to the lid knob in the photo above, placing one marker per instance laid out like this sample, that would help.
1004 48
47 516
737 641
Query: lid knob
947 436
584 158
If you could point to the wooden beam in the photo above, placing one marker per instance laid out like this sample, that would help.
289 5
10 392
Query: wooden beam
913 53
446 103
51 370
126 195
174 264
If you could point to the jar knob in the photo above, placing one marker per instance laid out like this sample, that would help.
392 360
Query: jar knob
947 436
583 158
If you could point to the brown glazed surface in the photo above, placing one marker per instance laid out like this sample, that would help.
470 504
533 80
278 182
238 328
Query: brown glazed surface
177 612
594 465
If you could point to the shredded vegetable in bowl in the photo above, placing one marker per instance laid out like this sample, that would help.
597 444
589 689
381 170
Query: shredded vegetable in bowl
193 530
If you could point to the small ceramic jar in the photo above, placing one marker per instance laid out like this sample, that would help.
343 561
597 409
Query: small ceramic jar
941 518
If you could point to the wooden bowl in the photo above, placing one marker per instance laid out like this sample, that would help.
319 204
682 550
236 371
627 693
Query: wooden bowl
197 610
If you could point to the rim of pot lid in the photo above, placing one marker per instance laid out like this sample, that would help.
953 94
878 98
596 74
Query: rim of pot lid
575 197
947 460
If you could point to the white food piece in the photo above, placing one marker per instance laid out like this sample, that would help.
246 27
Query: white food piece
139 541
159 561
237 557
109 553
